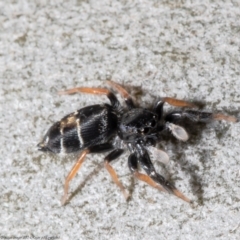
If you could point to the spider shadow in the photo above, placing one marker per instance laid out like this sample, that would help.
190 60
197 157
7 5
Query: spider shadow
94 172
196 132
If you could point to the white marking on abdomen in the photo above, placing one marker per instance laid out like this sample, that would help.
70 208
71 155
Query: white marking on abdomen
81 142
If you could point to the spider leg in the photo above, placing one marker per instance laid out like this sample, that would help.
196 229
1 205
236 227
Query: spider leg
197 116
193 115
128 99
220 116
96 91
178 103
110 157
133 166
170 187
158 107
78 164
158 180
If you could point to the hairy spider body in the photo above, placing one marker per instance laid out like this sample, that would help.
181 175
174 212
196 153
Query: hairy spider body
86 127
92 129
137 124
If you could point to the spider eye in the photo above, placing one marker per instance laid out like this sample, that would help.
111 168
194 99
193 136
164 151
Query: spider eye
153 123
143 130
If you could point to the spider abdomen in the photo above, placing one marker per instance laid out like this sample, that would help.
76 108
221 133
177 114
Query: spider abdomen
86 127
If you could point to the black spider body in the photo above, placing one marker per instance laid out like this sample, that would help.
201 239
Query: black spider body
86 127
137 124
94 128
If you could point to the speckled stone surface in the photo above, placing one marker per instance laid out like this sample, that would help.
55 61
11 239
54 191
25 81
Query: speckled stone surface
183 49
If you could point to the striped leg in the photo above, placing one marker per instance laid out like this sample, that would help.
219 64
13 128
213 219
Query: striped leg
152 178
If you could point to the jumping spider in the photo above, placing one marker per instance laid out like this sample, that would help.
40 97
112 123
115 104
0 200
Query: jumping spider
95 128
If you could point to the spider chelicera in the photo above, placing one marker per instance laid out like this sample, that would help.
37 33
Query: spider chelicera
111 127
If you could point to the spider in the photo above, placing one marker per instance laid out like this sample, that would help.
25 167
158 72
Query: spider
111 127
